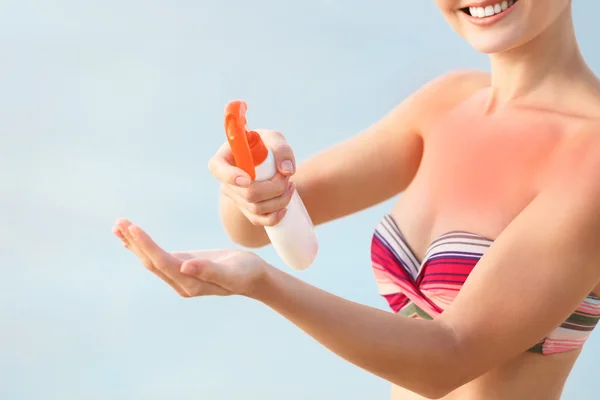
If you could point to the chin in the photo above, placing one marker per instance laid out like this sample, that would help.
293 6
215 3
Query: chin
506 25
495 45
497 39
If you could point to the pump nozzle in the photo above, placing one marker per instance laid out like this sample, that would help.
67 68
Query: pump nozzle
247 146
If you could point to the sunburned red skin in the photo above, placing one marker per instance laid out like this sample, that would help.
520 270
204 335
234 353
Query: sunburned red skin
489 165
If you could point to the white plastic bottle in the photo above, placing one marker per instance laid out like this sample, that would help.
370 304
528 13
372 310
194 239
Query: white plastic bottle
294 237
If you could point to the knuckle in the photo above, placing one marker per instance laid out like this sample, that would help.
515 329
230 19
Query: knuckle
268 133
148 265
252 195
254 208
282 148
282 187
271 219
285 201
242 194
212 165
278 135
288 194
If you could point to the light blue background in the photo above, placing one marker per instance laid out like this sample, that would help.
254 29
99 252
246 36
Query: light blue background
113 108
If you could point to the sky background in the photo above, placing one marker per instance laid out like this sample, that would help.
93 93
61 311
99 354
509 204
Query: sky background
113 108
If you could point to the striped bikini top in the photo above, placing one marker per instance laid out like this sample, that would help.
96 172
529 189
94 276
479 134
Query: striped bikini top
424 289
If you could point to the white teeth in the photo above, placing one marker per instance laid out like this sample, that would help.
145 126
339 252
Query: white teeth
488 11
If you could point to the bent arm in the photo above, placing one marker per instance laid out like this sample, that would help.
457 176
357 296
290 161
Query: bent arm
368 168
412 353
508 304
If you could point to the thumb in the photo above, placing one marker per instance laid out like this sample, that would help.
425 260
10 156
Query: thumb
205 270
284 156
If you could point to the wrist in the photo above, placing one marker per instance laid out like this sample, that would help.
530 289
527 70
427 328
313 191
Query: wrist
264 283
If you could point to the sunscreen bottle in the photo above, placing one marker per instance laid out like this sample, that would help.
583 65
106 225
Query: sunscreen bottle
294 237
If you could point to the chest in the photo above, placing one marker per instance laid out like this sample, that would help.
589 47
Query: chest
478 172
491 159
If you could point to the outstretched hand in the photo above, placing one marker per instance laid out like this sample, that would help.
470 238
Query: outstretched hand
194 273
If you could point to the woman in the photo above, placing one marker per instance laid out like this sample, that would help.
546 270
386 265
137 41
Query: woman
499 175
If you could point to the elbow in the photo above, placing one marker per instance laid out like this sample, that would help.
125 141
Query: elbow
437 391
450 378
433 388
445 369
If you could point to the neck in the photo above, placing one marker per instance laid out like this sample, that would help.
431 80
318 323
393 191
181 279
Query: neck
529 71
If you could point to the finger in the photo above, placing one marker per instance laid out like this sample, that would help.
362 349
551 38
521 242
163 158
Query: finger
188 288
117 232
272 205
263 190
191 285
163 261
194 287
124 226
284 156
271 219
216 254
205 288
222 166
275 204
206 271
123 231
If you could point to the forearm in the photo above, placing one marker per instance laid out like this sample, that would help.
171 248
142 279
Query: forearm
237 226
416 354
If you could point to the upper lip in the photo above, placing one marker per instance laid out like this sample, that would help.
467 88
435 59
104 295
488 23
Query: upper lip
482 3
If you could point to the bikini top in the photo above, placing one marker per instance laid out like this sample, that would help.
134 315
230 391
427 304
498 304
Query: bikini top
424 289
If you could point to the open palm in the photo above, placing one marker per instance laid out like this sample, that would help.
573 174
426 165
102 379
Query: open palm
194 273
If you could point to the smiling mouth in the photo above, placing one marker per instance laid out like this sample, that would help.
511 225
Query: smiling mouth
489 11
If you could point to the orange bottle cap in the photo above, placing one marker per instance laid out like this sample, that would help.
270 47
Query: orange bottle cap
248 148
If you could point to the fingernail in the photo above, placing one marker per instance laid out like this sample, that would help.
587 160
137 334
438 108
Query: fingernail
287 167
242 181
188 269
290 187
133 232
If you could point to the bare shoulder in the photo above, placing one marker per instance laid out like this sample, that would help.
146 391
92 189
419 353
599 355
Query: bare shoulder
445 92
461 82
587 144
579 169
455 86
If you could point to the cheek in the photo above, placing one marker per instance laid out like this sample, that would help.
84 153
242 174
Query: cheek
448 8
545 13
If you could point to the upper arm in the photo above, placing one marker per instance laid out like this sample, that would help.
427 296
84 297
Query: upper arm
380 162
536 273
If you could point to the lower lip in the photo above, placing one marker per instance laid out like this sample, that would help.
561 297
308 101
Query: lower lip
486 21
